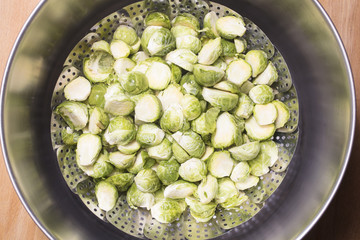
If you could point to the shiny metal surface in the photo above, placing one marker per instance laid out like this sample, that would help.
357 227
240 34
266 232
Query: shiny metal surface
320 70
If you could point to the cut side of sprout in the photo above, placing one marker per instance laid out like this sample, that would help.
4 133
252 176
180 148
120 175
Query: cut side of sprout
88 149
116 102
230 27
106 195
172 95
249 182
130 148
227 86
119 49
183 58
245 152
78 89
148 108
101 46
283 114
158 75
268 77
210 24
226 129
224 100
123 65
220 164
240 45
258 61
75 114
121 161
258 132
238 72
98 120
265 114
210 52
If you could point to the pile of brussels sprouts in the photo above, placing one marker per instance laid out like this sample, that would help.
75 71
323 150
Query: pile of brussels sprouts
183 122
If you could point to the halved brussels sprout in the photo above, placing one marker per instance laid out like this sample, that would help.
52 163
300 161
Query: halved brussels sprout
116 101
193 170
227 86
228 60
245 152
245 107
150 135
136 47
268 76
158 75
235 201
206 123
176 73
158 41
249 182
98 66
282 112
265 114
106 195
192 143
226 190
96 97
119 49
101 45
179 31
102 167
75 114
187 20
183 58
224 100
121 161
126 34
98 120
162 151
139 57
230 27
157 19
260 165
261 94
246 87
179 189
240 172
226 131
258 61
172 95
190 85
130 148
122 181
168 171
78 89
134 82
270 148
69 136
191 107
238 72
179 153
201 212
148 108
189 42
87 149
258 132
140 161
220 164
228 48
207 75
147 181
207 189
208 152
210 25
123 66
167 210
173 119
120 131
210 51
136 198
240 45
220 63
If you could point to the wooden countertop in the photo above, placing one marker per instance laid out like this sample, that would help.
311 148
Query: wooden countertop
340 221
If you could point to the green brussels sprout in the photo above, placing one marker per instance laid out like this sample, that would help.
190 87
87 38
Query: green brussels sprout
227 86
122 181
270 148
245 107
207 189
157 41
245 152
246 87
190 85
261 94
126 34
183 58
200 211
148 108
193 170
179 189
230 27
123 66
119 49
260 165
258 61
224 100
206 123
167 211
283 114
98 120
204 39
173 119
235 201
258 132
97 94
187 20
134 82
228 48
75 114
120 131
240 172
228 60
150 135
162 151
69 136
101 45
136 198
240 45
207 76
238 72
265 114
210 52
106 195
116 101
157 19
203 105
172 95
268 76
102 168
191 107
139 57
249 182
141 159
147 181
98 67
159 75
189 42
179 31
77 90
179 153
226 190
129 148
220 63
121 161
226 131
87 149
210 25
208 152
168 171
220 164
192 143
176 73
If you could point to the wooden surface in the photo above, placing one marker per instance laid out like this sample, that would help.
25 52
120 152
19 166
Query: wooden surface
340 221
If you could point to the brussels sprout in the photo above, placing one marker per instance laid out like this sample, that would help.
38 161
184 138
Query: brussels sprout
123 66
179 153
119 49
116 102
261 94
179 31
235 201
238 72
157 41
120 131
101 45
206 123
179 189
226 131
189 42
134 82
167 211
148 108
187 20
230 27
240 172
130 148
245 152
227 86
176 73
157 19
136 47
246 87
141 159
245 107
147 181
87 149
228 60
78 89
98 66
283 114
224 100
98 120
192 143
183 58
210 52
207 189
126 34
240 45
172 95
69 136
120 160
260 165
265 114
228 48
168 171
249 182
102 168
210 25
150 135
75 114
190 85
122 181
96 97
139 57
201 212
258 132
220 164
159 76
220 63
191 107
207 75
173 119
203 105
106 195
270 148
208 152
193 170
226 190
258 61
161 151
135 198
268 76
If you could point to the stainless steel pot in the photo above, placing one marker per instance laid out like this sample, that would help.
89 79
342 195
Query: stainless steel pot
320 70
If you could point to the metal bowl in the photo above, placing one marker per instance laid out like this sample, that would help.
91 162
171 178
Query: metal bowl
302 32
